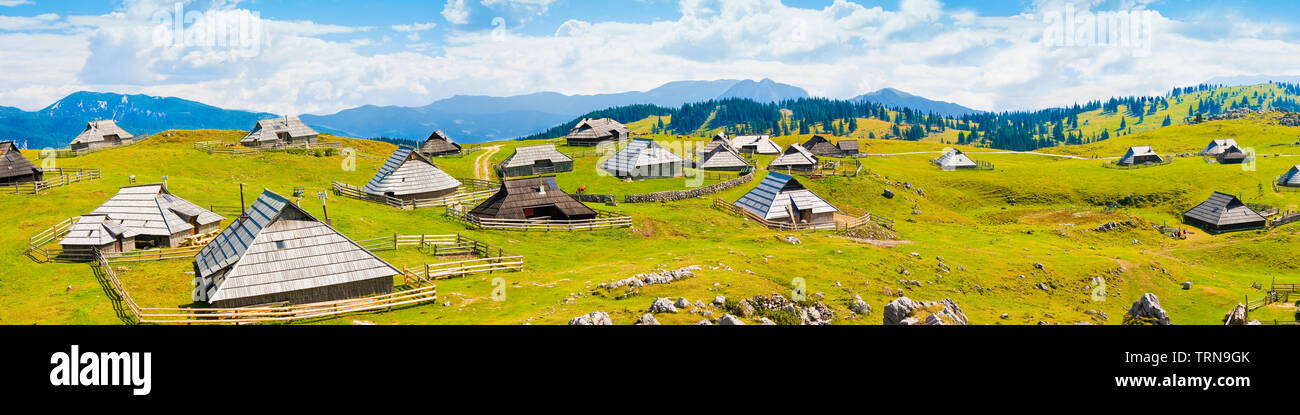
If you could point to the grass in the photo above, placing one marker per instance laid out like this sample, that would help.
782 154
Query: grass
989 228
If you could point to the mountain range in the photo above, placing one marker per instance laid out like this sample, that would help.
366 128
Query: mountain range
466 118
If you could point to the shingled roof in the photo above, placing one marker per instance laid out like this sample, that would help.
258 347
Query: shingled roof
439 143
848 147
13 164
1232 155
150 210
761 144
96 131
723 157
1291 178
1224 211
1217 147
408 173
280 248
643 157
1139 155
719 140
95 230
821 146
269 130
528 156
794 156
518 195
592 129
955 159
778 196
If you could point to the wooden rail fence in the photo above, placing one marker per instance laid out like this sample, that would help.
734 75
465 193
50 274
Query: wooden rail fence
490 259
61 177
472 191
236 149
604 220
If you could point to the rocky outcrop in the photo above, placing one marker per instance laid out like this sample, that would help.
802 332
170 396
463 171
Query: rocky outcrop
596 318
1147 311
647 320
730 320
661 277
904 311
816 314
662 305
859 306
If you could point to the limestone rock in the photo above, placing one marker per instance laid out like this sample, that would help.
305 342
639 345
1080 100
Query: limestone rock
1147 311
730 320
662 305
596 318
647 320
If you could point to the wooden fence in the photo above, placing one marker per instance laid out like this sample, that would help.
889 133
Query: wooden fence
604 220
129 310
61 177
227 211
1117 166
490 259
855 221
472 191
1284 219
236 149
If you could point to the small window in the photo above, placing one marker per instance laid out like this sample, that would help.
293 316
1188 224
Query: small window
279 244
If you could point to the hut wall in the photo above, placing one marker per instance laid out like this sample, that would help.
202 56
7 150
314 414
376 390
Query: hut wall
585 142
27 178
427 196
364 288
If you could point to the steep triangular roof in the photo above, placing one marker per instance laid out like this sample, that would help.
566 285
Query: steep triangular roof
1224 209
795 156
821 146
719 140
269 130
529 155
762 144
722 157
778 194
1139 151
639 153
1218 146
150 209
280 248
96 131
12 162
517 194
95 230
439 143
407 172
598 128
1233 154
1292 177
955 159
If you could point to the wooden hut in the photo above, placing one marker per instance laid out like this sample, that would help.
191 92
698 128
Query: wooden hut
822 147
535 160
848 148
782 199
147 214
1137 156
723 158
280 253
1291 178
1232 155
795 157
102 134
1217 147
280 132
1224 213
16 169
409 176
534 198
439 145
955 159
755 144
643 158
719 140
591 132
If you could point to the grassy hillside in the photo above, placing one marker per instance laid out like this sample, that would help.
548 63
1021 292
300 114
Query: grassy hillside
989 228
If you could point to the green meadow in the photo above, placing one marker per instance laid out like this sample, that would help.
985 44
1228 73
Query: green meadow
988 229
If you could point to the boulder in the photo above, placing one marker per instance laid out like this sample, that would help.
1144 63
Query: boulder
647 320
704 323
730 320
902 312
682 303
898 310
766 322
746 309
1236 317
859 306
662 305
719 300
596 318
1147 311
792 240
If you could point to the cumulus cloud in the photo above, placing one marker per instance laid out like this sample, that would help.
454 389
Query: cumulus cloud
840 50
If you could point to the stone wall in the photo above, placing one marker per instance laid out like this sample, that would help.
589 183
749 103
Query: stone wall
688 194
589 198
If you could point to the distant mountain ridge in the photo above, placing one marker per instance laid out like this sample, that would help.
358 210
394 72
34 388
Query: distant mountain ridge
471 118
891 97
56 125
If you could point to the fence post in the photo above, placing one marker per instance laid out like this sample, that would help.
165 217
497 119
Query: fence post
394 241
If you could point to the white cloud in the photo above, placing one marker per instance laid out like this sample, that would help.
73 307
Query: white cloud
838 51
21 23
12 3
456 12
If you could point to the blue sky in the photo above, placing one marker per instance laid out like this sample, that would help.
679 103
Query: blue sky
326 55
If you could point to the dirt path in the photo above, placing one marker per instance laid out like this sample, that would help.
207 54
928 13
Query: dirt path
483 164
